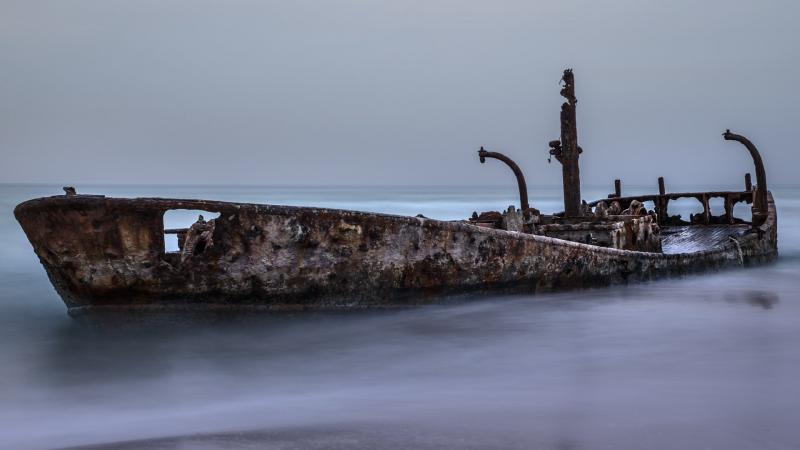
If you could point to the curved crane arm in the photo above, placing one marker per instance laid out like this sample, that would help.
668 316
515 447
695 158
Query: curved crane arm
523 189
760 202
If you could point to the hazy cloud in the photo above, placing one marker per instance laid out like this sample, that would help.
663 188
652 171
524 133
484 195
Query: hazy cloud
394 92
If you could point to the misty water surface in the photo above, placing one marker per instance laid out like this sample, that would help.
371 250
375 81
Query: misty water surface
699 362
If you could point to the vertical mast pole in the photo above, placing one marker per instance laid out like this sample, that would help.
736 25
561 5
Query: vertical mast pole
570 151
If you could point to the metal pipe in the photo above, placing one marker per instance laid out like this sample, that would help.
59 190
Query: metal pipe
523 188
760 198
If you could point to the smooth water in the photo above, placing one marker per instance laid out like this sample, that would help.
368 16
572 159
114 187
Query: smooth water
707 361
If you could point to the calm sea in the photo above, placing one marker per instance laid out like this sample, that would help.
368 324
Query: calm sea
707 361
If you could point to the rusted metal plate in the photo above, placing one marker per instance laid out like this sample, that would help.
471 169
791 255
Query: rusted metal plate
106 252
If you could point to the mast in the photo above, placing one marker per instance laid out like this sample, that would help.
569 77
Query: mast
567 150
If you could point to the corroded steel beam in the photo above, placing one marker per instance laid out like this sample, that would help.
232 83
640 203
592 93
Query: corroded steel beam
662 202
523 188
760 198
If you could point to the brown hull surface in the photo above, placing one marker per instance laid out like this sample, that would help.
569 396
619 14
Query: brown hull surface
109 253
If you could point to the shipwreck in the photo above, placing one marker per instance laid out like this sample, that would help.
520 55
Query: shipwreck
105 253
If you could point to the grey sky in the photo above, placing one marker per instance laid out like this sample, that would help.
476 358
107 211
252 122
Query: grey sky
392 92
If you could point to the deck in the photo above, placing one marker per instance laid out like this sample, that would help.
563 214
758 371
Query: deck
689 239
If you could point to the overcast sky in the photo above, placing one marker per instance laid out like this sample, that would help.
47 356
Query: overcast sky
394 91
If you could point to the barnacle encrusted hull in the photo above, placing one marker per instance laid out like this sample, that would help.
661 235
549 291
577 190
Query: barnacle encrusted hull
109 253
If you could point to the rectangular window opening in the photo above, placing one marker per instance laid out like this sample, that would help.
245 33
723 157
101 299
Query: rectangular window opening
177 222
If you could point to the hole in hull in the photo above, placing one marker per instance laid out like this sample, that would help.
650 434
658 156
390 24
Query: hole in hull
685 207
717 206
177 221
743 211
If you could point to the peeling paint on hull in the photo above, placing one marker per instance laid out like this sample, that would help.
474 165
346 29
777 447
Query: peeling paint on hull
108 253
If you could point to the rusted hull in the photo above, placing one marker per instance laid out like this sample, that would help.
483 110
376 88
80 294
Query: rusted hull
109 253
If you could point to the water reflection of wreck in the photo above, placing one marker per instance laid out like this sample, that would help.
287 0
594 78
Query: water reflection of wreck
105 253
